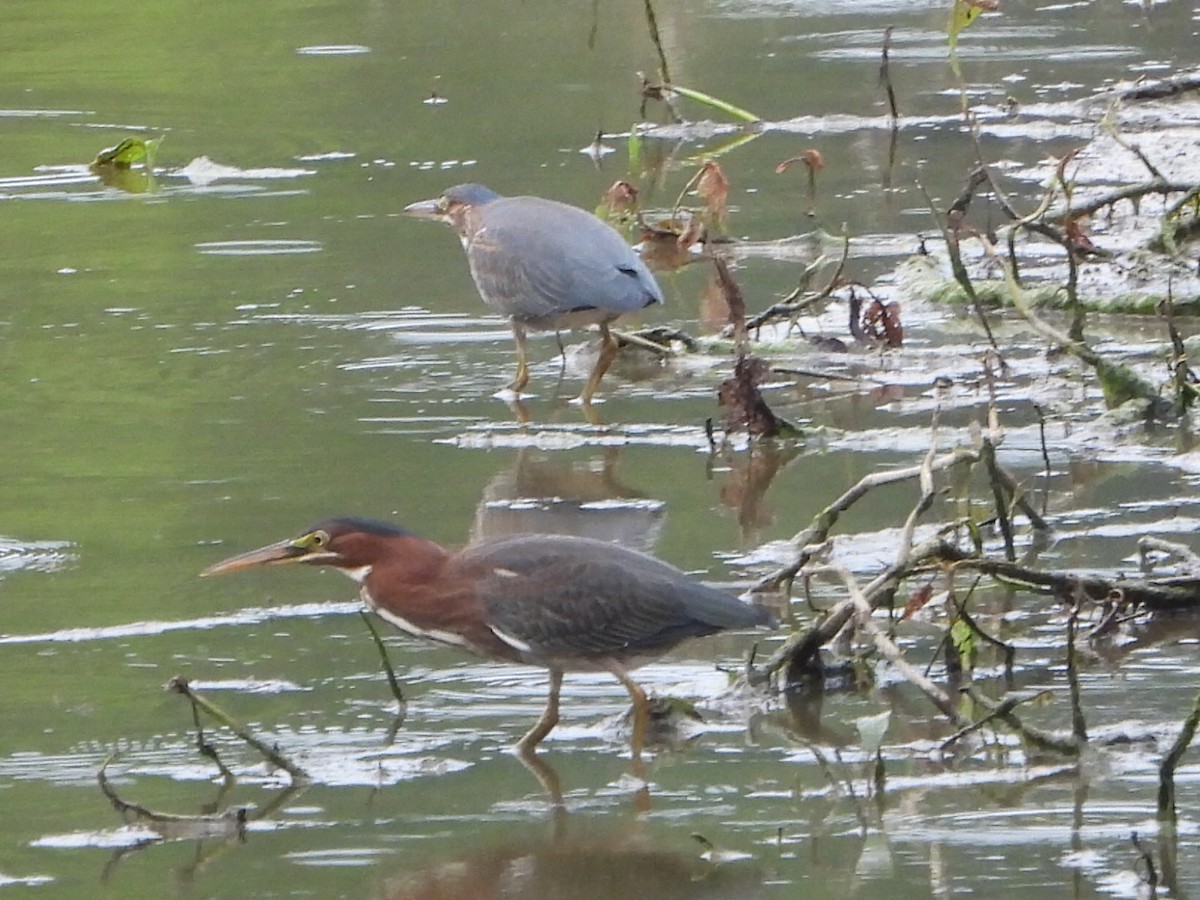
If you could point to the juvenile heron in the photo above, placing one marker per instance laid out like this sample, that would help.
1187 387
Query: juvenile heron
546 266
563 603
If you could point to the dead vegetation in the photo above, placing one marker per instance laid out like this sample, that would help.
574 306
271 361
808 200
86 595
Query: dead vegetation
1112 230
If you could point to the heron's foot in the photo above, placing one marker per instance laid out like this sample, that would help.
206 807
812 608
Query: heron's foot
507 395
589 413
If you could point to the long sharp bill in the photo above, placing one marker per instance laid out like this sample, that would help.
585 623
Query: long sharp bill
272 555
424 209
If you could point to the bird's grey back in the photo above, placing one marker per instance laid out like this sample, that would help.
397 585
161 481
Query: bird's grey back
555 259
561 594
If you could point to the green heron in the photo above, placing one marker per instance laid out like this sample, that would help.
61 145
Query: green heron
564 603
546 266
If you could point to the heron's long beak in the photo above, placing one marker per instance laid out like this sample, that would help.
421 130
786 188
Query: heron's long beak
426 209
272 555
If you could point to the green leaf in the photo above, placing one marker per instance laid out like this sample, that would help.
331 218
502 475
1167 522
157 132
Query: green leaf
128 153
966 643
708 100
963 13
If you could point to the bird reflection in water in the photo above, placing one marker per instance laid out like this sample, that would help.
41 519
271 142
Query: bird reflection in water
543 493
601 867
548 494
748 475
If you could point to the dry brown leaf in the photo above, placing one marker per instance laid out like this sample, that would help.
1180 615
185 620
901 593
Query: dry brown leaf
743 402
811 157
917 600
734 301
713 188
881 322
1077 236
621 198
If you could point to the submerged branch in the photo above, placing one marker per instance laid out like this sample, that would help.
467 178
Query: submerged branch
1166 772
1117 380
1154 595
179 685
1068 745
229 823
889 651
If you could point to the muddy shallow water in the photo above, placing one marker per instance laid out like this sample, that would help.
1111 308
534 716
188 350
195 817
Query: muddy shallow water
203 362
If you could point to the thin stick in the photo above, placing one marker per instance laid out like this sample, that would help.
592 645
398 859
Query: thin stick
1078 722
960 270
1067 746
1002 504
716 103
998 711
800 646
393 682
815 534
1166 772
180 685
652 24
891 652
885 75
208 750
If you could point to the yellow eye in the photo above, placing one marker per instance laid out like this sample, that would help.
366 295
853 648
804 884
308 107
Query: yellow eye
314 540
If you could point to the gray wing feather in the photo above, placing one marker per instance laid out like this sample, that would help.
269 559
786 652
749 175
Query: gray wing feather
576 597
537 258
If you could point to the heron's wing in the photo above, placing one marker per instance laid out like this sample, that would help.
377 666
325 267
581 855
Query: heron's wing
535 258
554 597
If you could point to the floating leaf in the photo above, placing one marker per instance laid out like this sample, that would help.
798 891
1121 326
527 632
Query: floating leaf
128 153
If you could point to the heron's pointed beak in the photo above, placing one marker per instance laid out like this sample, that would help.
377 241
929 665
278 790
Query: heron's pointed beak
272 555
427 209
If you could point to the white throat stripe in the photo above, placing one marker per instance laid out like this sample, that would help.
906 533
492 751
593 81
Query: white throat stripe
359 575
